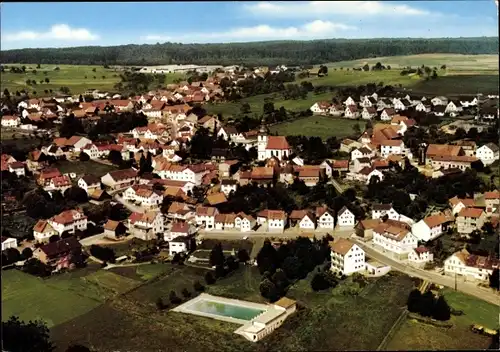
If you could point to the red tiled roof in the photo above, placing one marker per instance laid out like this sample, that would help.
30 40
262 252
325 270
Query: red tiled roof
471 212
277 143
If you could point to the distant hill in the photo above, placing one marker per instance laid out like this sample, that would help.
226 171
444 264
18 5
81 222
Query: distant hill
255 53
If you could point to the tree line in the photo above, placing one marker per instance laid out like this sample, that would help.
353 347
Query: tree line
259 53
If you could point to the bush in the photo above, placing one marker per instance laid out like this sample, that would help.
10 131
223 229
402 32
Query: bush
103 253
159 304
198 286
27 253
54 238
209 278
10 256
84 156
185 292
173 298
35 267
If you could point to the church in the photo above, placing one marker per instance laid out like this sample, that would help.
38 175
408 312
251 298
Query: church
269 146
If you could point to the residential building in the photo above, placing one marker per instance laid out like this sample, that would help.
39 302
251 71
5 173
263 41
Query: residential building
369 113
205 216
10 121
457 204
89 183
51 253
351 112
346 257
420 256
146 226
345 218
394 237
244 222
69 220
225 221
114 229
381 210
275 220
466 266
391 147
59 183
228 185
119 179
492 201
324 218
488 153
17 168
431 227
179 229
470 219
42 231
364 228
144 195
320 108
179 244
387 114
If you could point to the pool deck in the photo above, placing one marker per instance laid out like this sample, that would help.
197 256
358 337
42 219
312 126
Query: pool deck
186 307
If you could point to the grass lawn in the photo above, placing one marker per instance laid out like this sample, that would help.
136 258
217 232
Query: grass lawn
320 126
413 335
84 167
71 76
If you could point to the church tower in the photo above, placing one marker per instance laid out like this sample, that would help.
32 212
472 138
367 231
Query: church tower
262 141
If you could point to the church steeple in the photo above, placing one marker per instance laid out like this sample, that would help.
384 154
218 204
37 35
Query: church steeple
263 128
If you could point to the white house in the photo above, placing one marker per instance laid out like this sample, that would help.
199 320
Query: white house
120 179
227 132
492 201
91 150
351 112
345 218
244 222
179 229
18 168
8 242
367 173
147 225
430 227
368 102
349 101
422 107
10 121
89 183
144 195
465 266
346 257
275 220
381 210
368 113
453 107
69 220
391 146
440 100
387 114
420 255
178 244
395 238
468 102
43 230
205 216
320 108
488 153
228 185
363 152
324 218
308 222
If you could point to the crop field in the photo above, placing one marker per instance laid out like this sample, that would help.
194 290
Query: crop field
414 335
78 78
453 62
319 126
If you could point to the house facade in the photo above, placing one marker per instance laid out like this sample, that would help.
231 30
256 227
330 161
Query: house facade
346 257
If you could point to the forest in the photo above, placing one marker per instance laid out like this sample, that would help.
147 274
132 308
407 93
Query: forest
251 54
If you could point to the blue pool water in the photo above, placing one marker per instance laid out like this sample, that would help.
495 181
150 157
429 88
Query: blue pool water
226 310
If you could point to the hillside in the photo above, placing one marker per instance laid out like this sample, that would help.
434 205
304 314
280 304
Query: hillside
255 53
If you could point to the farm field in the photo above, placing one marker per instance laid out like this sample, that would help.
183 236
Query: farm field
413 335
454 62
71 76
328 322
319 126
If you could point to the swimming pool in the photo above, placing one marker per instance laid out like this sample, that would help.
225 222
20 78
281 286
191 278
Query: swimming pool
225 309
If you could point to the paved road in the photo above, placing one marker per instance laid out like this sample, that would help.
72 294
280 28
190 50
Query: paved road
466 287
289 233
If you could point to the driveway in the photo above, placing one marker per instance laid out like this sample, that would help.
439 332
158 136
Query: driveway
128 205
466 287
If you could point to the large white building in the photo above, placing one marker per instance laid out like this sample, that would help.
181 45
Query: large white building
395 237
275 220
345 218
346 257
430 227
205 216
69 220
146 226
470 267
